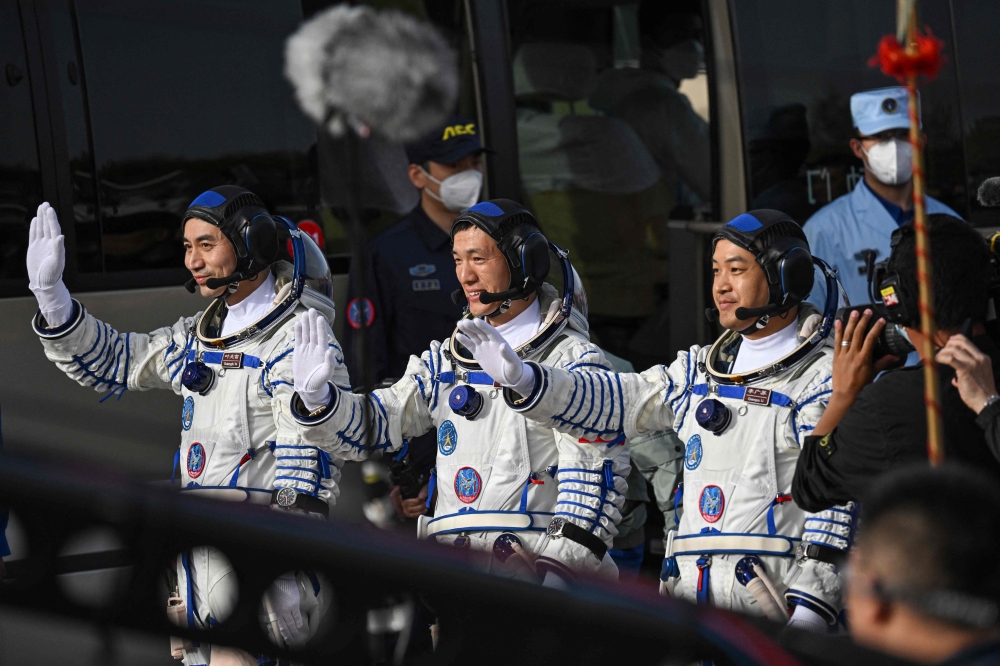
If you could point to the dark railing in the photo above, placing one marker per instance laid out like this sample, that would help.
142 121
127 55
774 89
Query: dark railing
482 618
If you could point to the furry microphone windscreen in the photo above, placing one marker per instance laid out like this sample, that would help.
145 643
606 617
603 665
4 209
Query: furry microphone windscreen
355 66
989 192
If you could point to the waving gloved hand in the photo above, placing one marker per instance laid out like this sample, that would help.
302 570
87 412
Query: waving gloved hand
45 261
313 361
492 352
285 600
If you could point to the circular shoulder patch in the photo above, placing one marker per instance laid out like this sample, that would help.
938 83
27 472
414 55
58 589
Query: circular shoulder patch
447 438
187 413
692 454
468 485
196 460
711 503
355 308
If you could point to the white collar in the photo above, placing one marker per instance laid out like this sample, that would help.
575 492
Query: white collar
251 309
523 327
754 354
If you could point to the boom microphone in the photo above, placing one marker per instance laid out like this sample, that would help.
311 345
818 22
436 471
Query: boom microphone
989 193
373 71
751 313
190 285
487 297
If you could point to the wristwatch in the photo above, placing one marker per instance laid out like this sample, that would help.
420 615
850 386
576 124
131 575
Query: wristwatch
560 527
990 400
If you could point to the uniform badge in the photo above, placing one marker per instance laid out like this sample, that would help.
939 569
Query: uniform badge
354 310
468 485
422 270
889 105
447 438
187 413
711 503
692 454
427 285
196 460
757 396
889 297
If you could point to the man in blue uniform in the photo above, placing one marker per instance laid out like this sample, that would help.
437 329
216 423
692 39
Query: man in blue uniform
410 268
864 219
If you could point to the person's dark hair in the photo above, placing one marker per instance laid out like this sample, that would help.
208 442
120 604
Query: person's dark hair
937 528
961 267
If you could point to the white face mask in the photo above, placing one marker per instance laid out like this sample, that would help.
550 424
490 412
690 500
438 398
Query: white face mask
459 191
891 162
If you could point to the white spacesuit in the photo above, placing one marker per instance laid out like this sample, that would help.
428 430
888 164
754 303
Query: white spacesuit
239 441
742 434
527 500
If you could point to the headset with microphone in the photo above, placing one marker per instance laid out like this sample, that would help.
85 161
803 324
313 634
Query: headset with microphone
519 239
243 219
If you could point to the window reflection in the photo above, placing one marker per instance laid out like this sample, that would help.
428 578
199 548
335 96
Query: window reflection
613 140
20 179
799 64
184 96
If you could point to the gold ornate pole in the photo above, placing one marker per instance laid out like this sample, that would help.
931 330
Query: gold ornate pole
907 20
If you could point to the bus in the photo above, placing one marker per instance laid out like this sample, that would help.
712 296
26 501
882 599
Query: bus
631 129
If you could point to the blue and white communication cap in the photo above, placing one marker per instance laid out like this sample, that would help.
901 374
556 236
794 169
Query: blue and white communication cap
881 109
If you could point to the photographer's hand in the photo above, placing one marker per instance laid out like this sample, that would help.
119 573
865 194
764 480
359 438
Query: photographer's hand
973 370
852 366
416 506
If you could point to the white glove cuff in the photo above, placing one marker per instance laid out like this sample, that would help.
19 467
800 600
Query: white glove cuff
55 303
526 384
313 400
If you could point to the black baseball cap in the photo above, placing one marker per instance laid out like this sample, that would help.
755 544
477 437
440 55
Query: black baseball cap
448 144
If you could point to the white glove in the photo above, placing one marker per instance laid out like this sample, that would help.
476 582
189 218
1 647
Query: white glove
807 619
492 352
45 261
286 599
313 361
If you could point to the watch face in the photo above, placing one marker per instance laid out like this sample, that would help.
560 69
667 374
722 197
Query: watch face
556 527
286 497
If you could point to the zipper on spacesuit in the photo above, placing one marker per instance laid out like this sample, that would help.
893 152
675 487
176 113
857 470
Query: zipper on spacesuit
704 563
779 499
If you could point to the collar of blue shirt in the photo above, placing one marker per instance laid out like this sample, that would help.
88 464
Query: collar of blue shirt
431 234
895 212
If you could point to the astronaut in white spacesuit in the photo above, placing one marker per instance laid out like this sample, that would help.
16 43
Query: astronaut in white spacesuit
232 364
741 407
529 502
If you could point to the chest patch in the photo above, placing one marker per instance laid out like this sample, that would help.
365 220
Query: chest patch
422 270
187 413
711 503
196 460
468 485
692 454
447 438
427 285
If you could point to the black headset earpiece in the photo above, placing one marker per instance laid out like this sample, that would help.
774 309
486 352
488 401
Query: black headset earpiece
261 237
535 260
788 266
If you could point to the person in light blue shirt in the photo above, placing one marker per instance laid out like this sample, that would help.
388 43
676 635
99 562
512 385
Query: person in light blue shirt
865 218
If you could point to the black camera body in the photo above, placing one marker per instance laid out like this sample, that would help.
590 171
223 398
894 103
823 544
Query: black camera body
408 476
890 342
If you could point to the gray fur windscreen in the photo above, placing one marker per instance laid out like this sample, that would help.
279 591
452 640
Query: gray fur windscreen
989 192
355 66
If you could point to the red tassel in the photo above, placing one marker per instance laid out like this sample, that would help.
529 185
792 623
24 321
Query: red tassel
893 59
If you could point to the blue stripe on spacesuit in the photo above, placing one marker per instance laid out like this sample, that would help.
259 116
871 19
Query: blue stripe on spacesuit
797 430
577 366
186 563
420 385
301 469
382 438
187 345
315 482
827 520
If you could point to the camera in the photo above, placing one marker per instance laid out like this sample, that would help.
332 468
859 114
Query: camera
890 342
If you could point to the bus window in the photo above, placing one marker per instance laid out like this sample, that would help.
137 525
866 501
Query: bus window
978 53
613 140
184 95
799 63
20 178
385 192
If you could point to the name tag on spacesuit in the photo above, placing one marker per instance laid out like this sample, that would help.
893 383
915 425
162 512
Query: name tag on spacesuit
235 360
757 396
